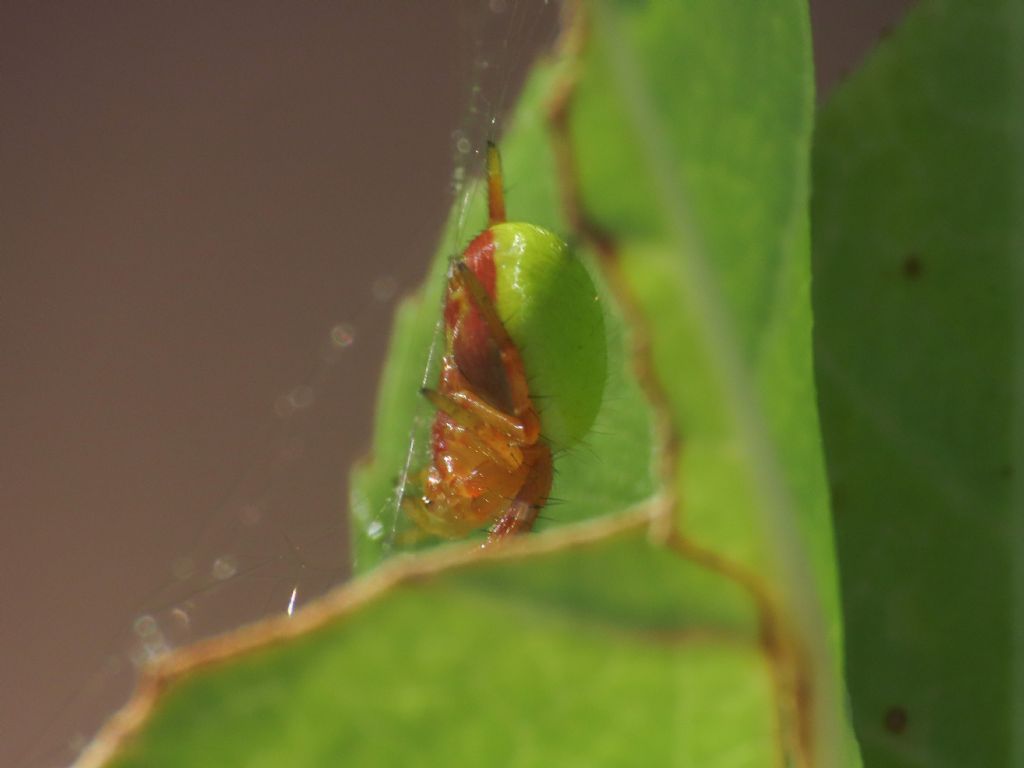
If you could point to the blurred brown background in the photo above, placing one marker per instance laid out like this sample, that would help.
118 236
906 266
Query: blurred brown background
192 195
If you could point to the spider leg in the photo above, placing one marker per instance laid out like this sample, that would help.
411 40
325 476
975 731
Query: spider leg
522 511
475 416
472 411
495 188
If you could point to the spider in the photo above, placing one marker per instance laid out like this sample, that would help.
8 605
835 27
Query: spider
490 465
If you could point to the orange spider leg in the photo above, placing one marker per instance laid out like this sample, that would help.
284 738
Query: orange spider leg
472 411
495 192
477 416
522 512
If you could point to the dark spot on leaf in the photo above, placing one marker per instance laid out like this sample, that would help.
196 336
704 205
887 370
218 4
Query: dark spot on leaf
1006 470
912 266
895 720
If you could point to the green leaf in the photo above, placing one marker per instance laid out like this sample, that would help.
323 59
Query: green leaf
678 606
588 673
919 170
714 241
